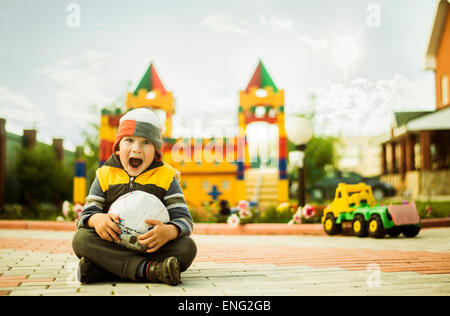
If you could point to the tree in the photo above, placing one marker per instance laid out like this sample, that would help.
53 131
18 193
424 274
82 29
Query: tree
42 177
319 154
91 150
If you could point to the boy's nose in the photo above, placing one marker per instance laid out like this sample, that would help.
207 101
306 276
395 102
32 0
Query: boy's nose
136 147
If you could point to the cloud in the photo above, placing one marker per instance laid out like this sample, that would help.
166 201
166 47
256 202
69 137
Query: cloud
284 24
224 24
212 113
82 83
20 110
316 45
365 107
95 59
262 20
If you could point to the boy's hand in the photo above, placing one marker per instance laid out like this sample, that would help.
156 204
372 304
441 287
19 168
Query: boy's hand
105 226
158 236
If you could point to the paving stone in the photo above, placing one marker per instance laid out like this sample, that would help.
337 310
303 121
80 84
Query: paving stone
30 291
252 265
55 292
96 289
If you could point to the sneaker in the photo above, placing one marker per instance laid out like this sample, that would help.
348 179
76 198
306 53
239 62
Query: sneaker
88 272
167 271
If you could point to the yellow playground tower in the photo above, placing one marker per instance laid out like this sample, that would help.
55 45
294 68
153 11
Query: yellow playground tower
215 168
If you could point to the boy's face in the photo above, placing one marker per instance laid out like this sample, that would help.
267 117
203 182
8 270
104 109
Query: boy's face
136 153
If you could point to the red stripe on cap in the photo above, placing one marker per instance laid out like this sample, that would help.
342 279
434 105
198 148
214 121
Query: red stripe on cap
126 128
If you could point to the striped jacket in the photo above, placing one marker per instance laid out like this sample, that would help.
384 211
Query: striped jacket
160 179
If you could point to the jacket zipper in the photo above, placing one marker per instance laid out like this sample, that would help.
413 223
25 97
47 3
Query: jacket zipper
131 183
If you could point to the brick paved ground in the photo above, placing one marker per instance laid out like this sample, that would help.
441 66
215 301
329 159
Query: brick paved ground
40 262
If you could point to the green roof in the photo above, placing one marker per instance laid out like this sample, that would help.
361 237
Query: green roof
401 118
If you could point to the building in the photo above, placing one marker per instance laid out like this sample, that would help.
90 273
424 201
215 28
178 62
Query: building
359 154
415 158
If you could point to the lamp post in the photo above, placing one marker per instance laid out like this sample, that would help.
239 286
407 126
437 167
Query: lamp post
299 131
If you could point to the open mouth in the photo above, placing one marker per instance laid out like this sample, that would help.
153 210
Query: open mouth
135 162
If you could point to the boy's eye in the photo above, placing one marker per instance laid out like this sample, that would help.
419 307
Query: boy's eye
146 142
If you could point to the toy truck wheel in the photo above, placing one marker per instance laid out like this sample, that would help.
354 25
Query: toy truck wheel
410 231
375 227
330 226
359 226
394 231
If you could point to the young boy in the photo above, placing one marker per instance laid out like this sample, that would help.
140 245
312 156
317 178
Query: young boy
136 164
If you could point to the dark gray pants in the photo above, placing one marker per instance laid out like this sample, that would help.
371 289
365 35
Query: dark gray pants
124 262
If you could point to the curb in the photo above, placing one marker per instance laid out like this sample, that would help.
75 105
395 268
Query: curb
200 228
435 222
258 229
215 229
40 225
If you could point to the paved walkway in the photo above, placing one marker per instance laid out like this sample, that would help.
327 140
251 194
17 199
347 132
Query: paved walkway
41 262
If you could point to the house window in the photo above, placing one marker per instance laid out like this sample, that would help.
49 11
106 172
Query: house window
445 90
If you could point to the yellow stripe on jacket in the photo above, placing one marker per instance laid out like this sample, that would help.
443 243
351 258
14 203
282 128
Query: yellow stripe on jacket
160 176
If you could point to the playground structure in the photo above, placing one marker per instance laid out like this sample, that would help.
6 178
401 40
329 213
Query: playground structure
214 168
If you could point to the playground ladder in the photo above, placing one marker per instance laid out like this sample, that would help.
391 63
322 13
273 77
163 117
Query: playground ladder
258 184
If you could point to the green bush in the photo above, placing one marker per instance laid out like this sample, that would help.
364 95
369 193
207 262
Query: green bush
12 211
270 214
205 213
41 211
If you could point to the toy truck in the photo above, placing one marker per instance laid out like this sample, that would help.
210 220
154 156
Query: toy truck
355 203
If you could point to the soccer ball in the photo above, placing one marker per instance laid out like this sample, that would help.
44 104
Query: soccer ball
135 207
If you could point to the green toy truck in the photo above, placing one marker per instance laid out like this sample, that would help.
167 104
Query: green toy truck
355 203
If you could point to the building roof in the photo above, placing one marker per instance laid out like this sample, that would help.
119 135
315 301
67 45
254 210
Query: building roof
401 118
429 121
440 17
150 81
437 120
261 79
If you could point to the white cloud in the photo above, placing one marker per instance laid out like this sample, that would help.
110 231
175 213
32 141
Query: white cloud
316 45
20 110
224 24
95 59
212 112
81 85
284 24
365 107
262 20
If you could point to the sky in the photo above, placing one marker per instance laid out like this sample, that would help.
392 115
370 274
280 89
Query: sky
61 62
